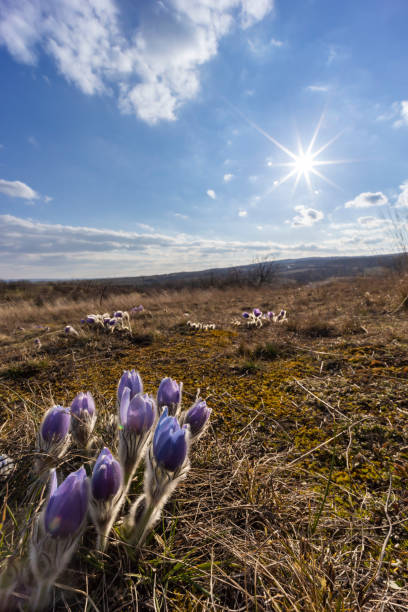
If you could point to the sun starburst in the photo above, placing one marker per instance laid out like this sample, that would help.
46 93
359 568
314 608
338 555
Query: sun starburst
304 163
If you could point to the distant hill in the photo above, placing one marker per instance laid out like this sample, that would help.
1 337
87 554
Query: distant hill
309 269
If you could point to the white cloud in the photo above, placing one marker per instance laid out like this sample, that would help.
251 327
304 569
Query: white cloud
402 108
402 200
47 199
242 213
276 43
318 88
146 227
306 216
211 194
372 221
228 177
260 47
252 10
180 216
367 199
29 249
152 70
17 189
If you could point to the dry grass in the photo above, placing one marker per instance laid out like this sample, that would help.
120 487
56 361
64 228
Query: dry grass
297 495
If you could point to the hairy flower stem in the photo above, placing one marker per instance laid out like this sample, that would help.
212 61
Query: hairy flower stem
144 523
41 595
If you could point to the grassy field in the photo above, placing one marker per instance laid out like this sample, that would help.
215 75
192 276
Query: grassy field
297 497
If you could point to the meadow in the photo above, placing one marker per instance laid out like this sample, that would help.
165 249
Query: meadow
296 499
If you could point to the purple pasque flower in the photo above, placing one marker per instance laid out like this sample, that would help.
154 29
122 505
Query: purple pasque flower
169 393
83 402
83 418
245 315
67 507
170 443
132 380
257 312
197 416
90 319
55 424
270 314
137 413
118 314
107 476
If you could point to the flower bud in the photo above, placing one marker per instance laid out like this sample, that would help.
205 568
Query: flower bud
197 417
67 507
83 417
83 402
257 312
133 381
169 394
55 424
136 417
138 413
107 477
245 315
169 443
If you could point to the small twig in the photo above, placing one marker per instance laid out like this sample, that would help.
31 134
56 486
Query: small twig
319 399
387 537
65 587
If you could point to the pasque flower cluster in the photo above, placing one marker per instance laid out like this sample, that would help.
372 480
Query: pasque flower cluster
154 429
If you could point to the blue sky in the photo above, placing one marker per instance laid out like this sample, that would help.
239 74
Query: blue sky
144 137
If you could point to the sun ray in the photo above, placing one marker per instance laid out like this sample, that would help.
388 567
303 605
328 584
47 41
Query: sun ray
315 134
324 178
287 177
324 147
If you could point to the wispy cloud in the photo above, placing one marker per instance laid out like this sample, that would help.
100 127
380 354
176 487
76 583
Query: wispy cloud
402 108
228 177
306 217
211 194
181 216
367 199
260 47
30 249
152 70
318 88
33 141
17 189
337 53
242 213
402 200
370 221
276 43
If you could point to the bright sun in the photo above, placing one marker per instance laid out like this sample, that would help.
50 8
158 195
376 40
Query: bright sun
305 162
